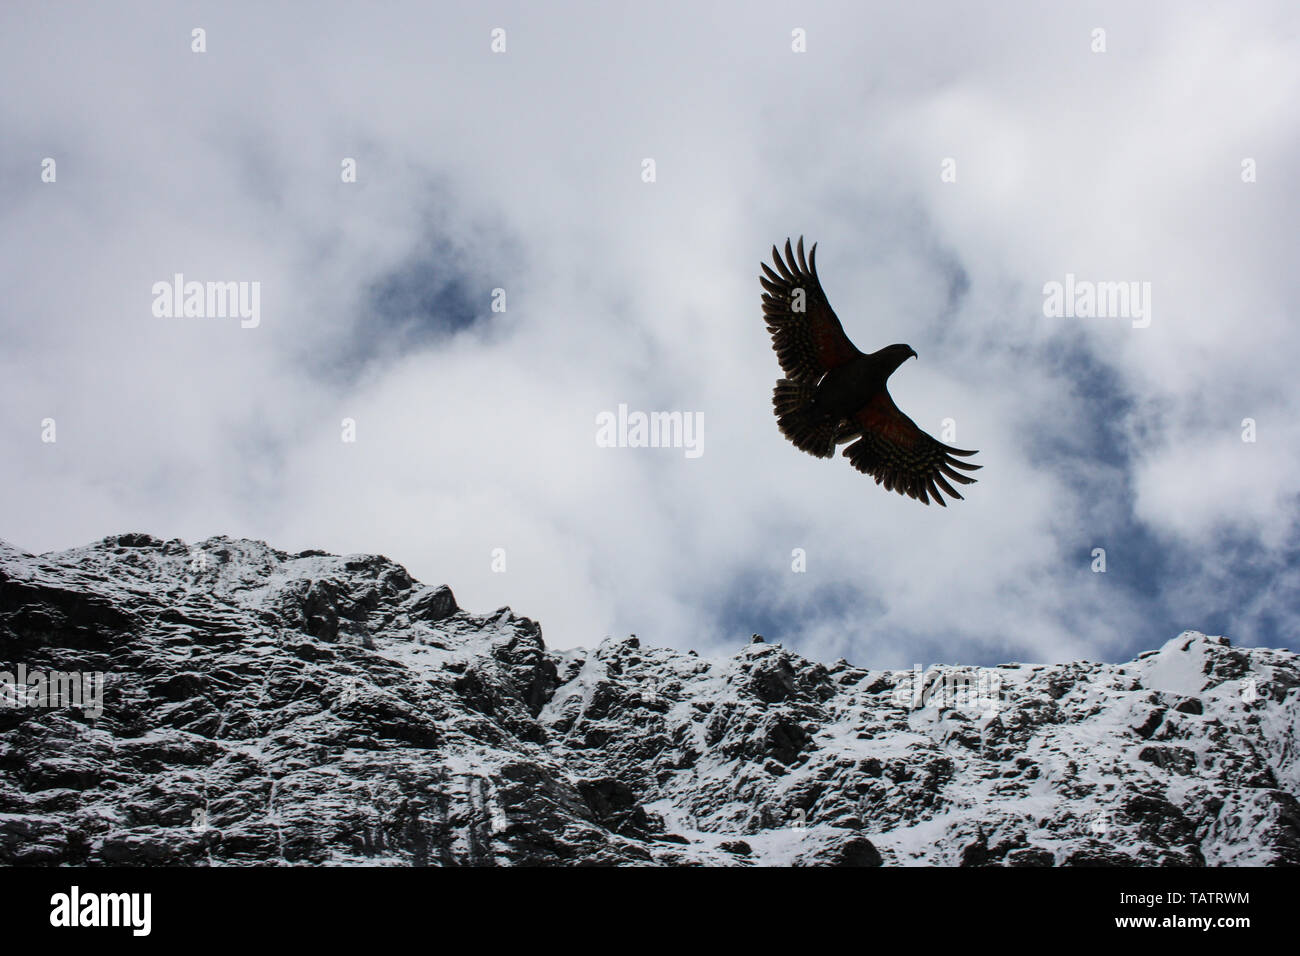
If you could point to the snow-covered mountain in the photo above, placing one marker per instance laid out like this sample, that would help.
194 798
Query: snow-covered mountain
263 707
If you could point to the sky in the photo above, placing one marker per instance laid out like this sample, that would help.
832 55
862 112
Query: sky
505 269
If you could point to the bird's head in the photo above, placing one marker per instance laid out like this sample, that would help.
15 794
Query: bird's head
896 355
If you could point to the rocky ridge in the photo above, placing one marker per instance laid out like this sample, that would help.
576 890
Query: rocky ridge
260 707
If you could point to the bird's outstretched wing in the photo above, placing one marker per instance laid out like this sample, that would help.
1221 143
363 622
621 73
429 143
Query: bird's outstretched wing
902 457
809 341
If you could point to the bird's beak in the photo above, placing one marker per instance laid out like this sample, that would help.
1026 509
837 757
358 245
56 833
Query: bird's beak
913 351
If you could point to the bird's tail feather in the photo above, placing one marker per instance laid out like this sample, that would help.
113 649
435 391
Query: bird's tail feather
808 431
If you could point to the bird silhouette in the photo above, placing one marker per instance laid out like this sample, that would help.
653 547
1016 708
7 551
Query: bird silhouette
833 393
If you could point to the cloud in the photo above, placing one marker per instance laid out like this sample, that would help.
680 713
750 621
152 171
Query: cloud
475 429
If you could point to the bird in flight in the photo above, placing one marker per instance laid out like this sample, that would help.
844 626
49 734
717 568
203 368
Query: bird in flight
833 394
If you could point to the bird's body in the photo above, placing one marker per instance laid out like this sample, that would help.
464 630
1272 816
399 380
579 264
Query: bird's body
833 393
844 390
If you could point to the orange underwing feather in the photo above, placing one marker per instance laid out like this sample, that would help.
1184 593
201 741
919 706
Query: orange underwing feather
902 457
809 341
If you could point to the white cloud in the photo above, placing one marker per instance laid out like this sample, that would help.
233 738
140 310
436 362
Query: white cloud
522 171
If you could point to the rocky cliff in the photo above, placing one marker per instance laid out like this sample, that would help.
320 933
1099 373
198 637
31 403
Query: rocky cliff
261 707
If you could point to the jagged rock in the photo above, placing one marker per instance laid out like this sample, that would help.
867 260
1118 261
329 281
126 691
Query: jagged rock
851 851
261 707
432 604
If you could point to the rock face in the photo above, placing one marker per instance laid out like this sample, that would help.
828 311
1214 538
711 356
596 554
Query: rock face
262 707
